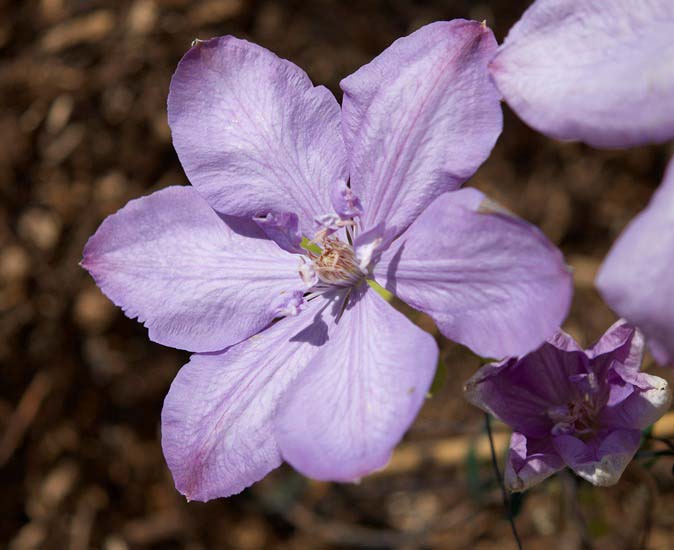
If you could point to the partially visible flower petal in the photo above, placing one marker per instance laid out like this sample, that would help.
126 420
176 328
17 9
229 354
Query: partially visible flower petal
621 342
649 400
344 200
599 462
171 261
622 346
217 420
283 229
362 390
368 245
420 119
491 281
636 277
563 341
252 132
600 72
290 303
328 223
529 462
521 392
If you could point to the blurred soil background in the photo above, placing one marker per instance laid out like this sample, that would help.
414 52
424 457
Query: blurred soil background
83 129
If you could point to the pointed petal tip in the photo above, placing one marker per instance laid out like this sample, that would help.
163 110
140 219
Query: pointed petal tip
235 93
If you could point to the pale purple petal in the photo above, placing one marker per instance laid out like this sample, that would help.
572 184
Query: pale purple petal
420 119
529 462
636 278
621 342
355 400
252 132
217 420
283 229
171 261
344 200
490 280
564 342
649 399
622 346
289 303
601 462
600 72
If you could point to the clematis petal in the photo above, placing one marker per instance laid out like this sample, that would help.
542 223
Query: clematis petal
217 420
599 72
283 229
601 461
521 392
352 404
253 133
621 342
650 398
490 280
420 119
529 462
564 342
344 201
171 261
636 277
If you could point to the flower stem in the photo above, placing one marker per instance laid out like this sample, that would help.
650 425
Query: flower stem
499 479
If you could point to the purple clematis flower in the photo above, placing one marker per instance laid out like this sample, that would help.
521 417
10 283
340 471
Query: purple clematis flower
636 277
599 72
261 266
572 407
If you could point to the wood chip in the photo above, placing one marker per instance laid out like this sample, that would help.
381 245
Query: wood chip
86 29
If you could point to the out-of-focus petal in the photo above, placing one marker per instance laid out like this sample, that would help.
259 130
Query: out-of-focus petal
529 462
217 421
600 462
253 133
420 119
490 280
636 278
362 390
171 261
600 72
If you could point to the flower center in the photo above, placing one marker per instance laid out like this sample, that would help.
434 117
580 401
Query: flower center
337 264
575 418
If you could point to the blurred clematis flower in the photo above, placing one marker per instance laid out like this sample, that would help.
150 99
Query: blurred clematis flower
636 277
584 409
599 72
261 267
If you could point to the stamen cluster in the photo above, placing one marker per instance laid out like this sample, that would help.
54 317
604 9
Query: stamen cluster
337 264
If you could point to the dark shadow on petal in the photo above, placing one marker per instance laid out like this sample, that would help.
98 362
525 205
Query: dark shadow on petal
316 333
243 226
